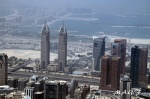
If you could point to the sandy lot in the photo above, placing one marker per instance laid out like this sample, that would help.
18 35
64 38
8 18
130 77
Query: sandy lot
25 54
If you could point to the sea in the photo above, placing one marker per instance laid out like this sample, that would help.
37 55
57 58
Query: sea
115 25
130 26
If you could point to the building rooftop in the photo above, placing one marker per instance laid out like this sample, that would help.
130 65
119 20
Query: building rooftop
45 27
119 39
125 78
38 92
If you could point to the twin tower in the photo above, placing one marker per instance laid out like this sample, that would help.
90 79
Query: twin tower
45 48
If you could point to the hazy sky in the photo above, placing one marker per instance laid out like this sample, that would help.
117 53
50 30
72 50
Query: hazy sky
78 2
122 5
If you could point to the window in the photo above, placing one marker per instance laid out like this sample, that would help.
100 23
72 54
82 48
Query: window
0 66
95 45
114 47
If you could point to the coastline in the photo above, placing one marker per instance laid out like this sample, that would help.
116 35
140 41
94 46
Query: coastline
129 40
25 54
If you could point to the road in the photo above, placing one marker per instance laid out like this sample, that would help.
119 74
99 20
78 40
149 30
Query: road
20 66
66 77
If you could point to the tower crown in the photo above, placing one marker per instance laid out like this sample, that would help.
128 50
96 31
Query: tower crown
45 27
62 30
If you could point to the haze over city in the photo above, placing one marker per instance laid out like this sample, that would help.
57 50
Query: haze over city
73 49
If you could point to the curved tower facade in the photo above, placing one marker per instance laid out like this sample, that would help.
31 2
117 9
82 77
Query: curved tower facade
62 49
45 47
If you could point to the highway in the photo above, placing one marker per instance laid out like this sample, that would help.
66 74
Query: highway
57 76
19 66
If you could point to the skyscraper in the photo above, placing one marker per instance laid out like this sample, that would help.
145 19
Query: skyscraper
3 69
45 47
125 86
29 91
110 73
134 70
55 90
138 69
143 65
118 48
98 51
62 49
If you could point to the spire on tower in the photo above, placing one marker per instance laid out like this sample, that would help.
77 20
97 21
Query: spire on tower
63 23
45 21
45 27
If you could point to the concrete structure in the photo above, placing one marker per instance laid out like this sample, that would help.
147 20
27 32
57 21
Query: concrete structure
29 91
3 69
125 86
45 47
118 48
6 89
110 73
81 92
22 83
143 78
39 95
13 82
73 87
16 95
55 90
138 69
52 68
62 49
33 78
98 52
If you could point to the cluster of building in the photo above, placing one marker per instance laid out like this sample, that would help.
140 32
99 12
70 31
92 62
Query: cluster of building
42 88
113 76
112 67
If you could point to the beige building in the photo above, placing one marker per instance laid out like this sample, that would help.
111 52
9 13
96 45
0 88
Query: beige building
16 95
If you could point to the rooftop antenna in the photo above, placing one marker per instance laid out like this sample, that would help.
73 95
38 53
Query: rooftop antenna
45 21
63 23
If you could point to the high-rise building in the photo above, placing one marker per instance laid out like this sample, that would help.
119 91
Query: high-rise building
62 49
29 91
98 52
118 48
134 70
143 65
45 47
3 69
17 95
73 87
125 86
22 83
13 82
81 92
138 69
39 95
55 90
110 73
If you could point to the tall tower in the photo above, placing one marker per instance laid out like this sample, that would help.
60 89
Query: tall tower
138 69
134 70
110 73
118 48
98 52
62 49
125 86
3 69
45 47
143 65
55 89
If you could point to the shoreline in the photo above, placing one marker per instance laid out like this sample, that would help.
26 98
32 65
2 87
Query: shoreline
25 54
129 40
